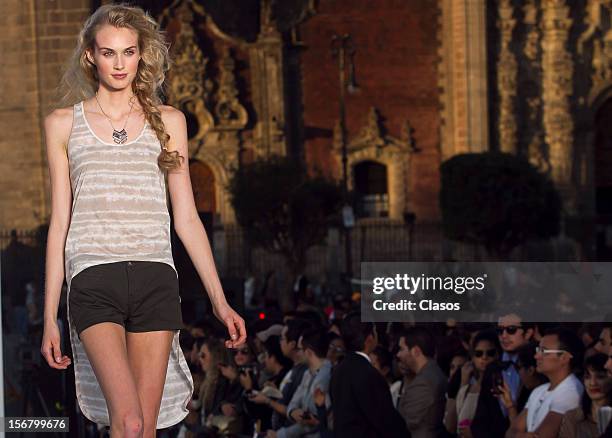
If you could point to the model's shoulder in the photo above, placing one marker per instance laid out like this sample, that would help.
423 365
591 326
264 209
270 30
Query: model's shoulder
60 116
170 111
59 122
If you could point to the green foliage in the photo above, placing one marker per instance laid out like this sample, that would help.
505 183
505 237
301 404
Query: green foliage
497 200
281 208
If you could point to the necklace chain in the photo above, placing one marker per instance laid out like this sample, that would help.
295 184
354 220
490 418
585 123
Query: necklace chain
119 137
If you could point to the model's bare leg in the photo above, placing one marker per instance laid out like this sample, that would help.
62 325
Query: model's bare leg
105 345
148 353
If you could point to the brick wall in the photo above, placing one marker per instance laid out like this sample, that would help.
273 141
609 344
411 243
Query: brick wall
396 62
38 37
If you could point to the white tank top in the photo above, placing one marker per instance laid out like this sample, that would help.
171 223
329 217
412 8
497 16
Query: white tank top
119 213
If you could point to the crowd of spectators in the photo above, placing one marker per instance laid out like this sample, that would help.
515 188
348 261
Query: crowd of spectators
308 375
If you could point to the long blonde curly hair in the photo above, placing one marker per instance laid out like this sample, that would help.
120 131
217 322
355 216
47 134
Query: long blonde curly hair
80 79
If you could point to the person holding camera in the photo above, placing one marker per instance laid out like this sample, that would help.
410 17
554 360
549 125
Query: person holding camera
257 401
243 375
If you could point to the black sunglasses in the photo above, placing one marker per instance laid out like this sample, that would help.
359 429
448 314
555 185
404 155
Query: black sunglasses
511 329
490 353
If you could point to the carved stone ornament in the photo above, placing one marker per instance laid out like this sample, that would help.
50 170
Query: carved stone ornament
506 79
532 38
229 112
557 70
187 87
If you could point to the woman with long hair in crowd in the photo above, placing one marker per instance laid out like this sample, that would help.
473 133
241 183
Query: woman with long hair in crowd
485 349
582 421
216 393
114 153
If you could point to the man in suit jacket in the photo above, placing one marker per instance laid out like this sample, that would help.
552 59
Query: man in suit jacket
361 399
423 400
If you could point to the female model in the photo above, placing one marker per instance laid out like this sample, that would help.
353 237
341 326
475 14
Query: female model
109 155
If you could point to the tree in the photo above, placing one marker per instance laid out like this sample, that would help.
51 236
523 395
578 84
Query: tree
282 209
497 200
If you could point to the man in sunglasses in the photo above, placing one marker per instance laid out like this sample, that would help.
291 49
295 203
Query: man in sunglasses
491 412
513 334
559 353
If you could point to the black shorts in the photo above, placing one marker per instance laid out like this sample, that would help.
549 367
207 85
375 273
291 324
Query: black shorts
142 296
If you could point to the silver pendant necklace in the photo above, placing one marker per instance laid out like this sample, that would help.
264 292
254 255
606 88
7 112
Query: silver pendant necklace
119 137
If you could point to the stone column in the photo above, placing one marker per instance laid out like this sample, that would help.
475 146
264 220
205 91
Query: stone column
463 77
557 69
266 64
506 79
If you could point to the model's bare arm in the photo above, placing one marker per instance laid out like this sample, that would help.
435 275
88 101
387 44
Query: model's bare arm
57 132
190 229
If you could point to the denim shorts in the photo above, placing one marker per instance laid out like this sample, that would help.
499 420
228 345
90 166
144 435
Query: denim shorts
141 296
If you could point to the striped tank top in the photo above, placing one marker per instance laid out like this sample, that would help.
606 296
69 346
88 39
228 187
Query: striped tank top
119 213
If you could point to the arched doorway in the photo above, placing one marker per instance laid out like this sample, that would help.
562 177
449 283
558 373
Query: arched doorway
371 189
603 180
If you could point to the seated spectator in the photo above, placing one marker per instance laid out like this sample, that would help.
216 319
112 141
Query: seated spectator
582 421
243 374
216 395
461 409
361 401
302 409
257 400
290 334
559 352
423 399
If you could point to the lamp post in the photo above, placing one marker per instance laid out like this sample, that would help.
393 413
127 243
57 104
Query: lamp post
342 46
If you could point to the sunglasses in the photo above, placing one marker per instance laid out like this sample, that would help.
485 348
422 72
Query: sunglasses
511 329
489 353
543 350
244 351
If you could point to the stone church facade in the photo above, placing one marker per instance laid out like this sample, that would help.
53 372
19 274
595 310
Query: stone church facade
427 79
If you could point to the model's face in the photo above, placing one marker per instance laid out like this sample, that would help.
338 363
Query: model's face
116 53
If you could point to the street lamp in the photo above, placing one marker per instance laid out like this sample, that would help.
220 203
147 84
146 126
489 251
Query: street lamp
342 46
